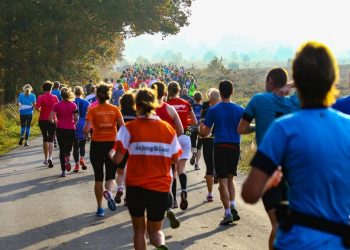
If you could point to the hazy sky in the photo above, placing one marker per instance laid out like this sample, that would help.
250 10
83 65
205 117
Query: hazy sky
247 25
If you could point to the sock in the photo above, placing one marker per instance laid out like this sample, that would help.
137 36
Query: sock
233 203
173 189
210 193
183 181
227 211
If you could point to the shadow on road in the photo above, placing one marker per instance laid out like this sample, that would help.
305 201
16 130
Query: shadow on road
40 185
71 226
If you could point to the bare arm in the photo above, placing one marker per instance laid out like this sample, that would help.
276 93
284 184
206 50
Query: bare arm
257 183
120 122
87 128
245 127
75 117
52 115
204 130
193 118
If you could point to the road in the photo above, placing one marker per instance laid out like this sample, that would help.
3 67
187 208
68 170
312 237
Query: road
39 210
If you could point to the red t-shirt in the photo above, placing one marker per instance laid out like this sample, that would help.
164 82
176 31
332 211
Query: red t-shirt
45 104
183 108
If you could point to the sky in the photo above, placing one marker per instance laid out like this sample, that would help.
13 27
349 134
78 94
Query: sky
252 26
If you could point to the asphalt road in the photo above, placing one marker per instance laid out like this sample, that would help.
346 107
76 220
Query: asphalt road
39 210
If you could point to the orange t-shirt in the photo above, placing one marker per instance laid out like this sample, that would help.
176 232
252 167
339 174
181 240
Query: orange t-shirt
103 118
152 145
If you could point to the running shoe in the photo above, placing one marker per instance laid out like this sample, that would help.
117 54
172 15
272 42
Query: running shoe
76 168
175 205
174 222
26 144
110 202
66 163
193 159
50 165
20 142
82 163
184 202
118 196
234 213
100 212
162 247
196 167
210 198
45 162
228 219
63 174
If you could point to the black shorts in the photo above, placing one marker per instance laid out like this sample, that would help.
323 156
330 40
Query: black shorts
273 197
47 130
226 157
99 157
208 150
140 200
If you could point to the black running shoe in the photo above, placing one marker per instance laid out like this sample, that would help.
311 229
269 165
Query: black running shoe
228 219
118 196
50 164
162 247
174 222
184 202
193 159
26 144
20 142
234 213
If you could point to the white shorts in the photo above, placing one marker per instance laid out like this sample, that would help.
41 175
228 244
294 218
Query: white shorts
185 143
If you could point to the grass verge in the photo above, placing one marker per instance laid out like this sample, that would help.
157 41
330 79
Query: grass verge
10 127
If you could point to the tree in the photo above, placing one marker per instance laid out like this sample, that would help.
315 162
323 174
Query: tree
70 40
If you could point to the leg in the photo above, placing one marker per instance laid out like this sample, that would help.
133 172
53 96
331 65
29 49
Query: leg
224 193
156 236
272 216
139 225
231 188
51 133
28 123
99 193
23 125
61 143
76 150
44 131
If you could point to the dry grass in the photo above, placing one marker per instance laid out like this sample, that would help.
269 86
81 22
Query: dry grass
10 127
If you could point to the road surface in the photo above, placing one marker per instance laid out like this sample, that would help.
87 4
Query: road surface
39 210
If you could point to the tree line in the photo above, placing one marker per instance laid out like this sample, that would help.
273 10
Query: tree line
71 40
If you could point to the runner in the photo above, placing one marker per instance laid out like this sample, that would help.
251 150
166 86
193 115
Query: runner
225 117
80 140
65 115
168 113
184 95
26 102
312 146
148 177
103 117
56 90
92 96
196 141
184 109
265 108
44 105
208 143
128 109
117 93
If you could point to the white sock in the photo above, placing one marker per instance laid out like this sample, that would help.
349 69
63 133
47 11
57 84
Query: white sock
233 203
227 211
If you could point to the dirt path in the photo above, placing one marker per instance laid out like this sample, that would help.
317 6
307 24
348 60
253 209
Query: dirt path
39 210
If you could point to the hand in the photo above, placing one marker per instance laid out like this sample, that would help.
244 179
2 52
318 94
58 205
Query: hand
286 89
274 180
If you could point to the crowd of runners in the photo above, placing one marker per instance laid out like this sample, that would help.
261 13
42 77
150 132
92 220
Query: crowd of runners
147 124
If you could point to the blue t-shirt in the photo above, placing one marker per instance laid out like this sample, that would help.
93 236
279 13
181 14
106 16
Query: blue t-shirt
117 93
312 145
197 110
57 93
83 106
265 108
343 105
225 116
26 103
